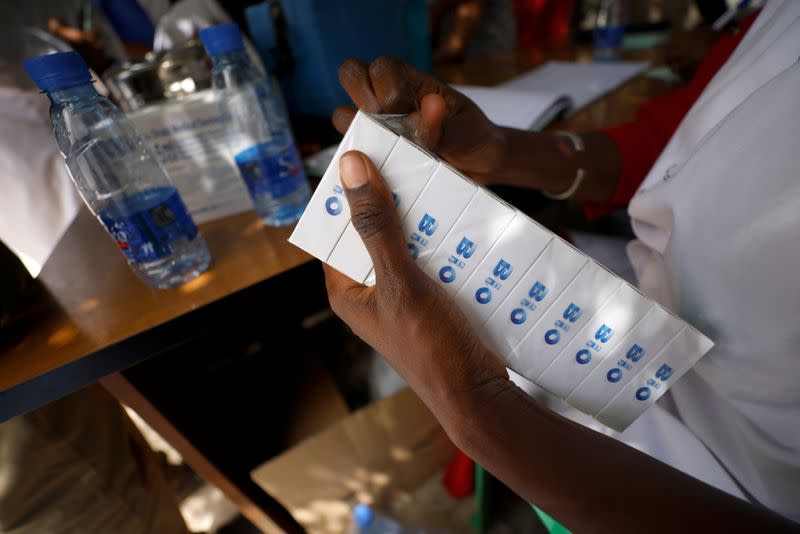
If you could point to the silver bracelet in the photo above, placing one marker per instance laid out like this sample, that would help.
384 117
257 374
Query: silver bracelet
578 146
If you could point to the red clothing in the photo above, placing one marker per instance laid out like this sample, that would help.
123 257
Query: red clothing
542 23
641 142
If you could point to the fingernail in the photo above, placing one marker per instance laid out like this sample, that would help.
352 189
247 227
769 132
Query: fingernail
352 171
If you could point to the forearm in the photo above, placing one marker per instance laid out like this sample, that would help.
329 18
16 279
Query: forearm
588 481
550 162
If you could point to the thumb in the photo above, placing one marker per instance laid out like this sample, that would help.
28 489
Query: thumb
373 213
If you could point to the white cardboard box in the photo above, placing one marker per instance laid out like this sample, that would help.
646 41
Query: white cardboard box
406 171
504 265
539 287
626 361
435 212
574 308
619 314
328 213
557 317
468 242
662 371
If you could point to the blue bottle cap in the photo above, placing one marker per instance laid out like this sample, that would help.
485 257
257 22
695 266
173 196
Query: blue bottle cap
57 71
363 515
221 38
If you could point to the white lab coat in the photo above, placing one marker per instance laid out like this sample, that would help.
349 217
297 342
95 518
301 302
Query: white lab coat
718 227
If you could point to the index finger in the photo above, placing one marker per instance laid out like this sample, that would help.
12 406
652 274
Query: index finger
342 117
354 77
351 301
390 79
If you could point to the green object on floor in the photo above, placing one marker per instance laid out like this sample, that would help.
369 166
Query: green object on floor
478 519
552 526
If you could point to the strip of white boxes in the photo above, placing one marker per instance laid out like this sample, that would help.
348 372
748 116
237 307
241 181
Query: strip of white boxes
557 317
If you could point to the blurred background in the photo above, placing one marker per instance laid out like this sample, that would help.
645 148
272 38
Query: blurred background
234 383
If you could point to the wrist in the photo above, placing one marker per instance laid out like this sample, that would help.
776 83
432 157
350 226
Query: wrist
535 160
465 415
577 149
496 157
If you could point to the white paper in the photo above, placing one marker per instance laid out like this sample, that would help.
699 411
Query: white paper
512 108
190 138
663 371
582 82
540 286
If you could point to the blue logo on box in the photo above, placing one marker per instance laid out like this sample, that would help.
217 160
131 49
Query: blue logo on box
483 295
447 274
503 270
333 205
427 225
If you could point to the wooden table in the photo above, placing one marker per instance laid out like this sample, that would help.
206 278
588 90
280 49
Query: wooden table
102 319
99 303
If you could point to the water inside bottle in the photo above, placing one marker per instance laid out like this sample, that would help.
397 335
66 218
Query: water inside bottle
277 183
157 236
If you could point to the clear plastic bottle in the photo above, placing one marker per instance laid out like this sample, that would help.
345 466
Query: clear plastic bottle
264 148
609 30
118 177
366 521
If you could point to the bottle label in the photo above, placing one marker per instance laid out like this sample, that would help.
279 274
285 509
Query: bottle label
145 224
269 170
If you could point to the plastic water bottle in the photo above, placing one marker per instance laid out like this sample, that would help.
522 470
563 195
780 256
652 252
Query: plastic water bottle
118 177
609 30
264 148
366 521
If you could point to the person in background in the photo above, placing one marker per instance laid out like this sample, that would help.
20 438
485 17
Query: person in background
79 465
463 28
713 200
134 22
75 22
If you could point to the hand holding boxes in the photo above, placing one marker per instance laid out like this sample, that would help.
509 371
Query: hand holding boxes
557 317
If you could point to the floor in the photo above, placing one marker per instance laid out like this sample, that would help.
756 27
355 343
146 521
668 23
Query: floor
205 508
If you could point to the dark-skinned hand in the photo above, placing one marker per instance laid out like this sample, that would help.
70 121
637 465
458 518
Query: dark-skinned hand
452 126
446 122
406 317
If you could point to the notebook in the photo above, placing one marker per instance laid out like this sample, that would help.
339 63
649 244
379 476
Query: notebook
533 100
